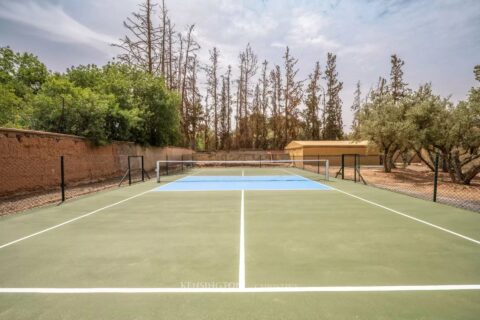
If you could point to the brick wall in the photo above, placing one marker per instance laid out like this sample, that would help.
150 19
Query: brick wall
29 160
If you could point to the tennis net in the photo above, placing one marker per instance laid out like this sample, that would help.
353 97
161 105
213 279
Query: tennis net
222 170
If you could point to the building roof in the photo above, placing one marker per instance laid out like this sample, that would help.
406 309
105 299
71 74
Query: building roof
325 143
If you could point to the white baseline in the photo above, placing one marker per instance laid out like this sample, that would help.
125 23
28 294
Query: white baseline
452 287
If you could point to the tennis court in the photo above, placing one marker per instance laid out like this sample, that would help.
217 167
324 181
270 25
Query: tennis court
241 242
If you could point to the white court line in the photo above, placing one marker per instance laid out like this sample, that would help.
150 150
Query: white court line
454 287
71 220
409 217
241 266
78 218
402 214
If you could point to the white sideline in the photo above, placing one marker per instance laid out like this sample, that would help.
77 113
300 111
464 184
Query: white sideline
71 220
77 218
409 217
454 287
241 266
401 213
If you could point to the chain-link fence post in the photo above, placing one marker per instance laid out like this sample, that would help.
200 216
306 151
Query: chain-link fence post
62 177
435 178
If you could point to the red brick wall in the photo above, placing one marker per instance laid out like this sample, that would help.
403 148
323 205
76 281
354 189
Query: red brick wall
30 160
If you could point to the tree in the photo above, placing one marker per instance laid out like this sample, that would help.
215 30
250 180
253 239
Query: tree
293 98
312 104
476 71
171 73
258 117
11 114
21 77
212 74
141 103
141 47
397 86
185 62
276 120
333 126
62 107
225 111
380 122
356 105
193 107
248 69
163 43
452 131
265 89
255 118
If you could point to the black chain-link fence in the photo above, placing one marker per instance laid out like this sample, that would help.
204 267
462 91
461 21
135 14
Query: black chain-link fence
415 179
31 183
35 182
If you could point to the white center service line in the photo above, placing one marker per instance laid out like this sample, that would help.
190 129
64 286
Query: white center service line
241 266
454 287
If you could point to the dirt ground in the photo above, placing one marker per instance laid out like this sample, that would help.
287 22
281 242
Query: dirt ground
418 180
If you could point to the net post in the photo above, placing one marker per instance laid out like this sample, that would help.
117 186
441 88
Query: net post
166 164
435 178
260 161
129 173
225 161
157 169
182 162
62 177
327 170
143 171
355 168
303 163
343 167
318 164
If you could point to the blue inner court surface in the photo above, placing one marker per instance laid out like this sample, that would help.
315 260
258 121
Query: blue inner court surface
216 183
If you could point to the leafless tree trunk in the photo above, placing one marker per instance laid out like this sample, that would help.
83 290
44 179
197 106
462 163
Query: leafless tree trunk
212 74
140 48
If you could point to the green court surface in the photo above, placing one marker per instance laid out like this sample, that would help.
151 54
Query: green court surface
345 252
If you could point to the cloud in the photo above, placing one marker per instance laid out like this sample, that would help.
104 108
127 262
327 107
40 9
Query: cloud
53 23
309 28
439 40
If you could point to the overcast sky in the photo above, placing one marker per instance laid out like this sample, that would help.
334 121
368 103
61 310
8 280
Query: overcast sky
439 40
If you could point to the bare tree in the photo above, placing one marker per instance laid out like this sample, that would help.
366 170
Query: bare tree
225 111
170 71
355 108
264 83
193 107
164 30
140 48
276 102
212 74
191 46
248 69
293 98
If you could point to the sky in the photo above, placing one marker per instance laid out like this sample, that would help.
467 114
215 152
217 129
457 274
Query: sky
439 40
